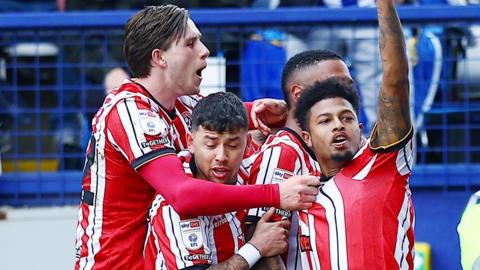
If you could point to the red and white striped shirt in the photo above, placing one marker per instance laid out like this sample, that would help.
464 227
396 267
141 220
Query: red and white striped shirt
283 155
173 243
130 129
363 217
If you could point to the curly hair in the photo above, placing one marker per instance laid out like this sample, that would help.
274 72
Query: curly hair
333 87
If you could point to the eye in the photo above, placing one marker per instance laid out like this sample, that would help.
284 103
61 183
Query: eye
233 146
348 118
190 43
210 146
324 121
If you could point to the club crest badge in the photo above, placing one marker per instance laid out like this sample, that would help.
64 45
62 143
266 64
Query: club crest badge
187 117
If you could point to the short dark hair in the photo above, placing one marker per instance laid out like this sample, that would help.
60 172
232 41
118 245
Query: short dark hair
151 28
333 87
300 61
220 112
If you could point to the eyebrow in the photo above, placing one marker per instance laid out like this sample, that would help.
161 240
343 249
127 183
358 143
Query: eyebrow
194 36
341 112
210 137
234 138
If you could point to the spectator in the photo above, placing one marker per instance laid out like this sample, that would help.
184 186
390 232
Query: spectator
28 5
261 65
114 78
436 51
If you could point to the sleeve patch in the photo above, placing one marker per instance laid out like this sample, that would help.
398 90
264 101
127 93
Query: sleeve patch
280 175
155 142
191 231
151 123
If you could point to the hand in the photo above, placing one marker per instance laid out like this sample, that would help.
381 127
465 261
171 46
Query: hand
271 238
266 112
298 192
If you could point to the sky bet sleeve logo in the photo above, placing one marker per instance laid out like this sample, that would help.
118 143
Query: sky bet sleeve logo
192 236
280 175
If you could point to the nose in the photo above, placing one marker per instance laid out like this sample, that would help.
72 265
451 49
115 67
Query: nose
204 52
338 124
221 154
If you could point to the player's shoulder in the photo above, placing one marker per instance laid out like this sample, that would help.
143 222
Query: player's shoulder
186 157
130 94
282 139
189 101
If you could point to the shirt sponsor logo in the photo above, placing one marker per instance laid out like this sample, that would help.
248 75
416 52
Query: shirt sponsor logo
283 213
280 214
196 257
192 236
155 142
219 221
280 175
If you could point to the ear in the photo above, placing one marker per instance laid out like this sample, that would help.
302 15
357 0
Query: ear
295 92
307 138
158 57
190 142
360 125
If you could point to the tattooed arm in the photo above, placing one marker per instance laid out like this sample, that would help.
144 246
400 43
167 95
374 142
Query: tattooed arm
267 263
270 263
393 122
236 262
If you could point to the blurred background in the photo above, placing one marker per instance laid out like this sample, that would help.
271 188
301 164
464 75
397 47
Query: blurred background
59 58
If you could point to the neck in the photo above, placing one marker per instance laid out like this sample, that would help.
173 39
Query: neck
160 91
292 122
329 171
330 167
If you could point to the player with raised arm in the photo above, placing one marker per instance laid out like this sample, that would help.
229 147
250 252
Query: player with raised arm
216 147
284 153
363 216
135 136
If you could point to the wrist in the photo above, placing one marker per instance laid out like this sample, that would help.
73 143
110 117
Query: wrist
275 195
250 253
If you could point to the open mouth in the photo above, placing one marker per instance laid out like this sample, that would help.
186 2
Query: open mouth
199 71
339 140
220 173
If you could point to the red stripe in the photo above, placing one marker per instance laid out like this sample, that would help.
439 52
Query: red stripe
159 226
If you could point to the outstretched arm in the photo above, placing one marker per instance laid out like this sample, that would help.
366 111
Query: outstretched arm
393 121
194 197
